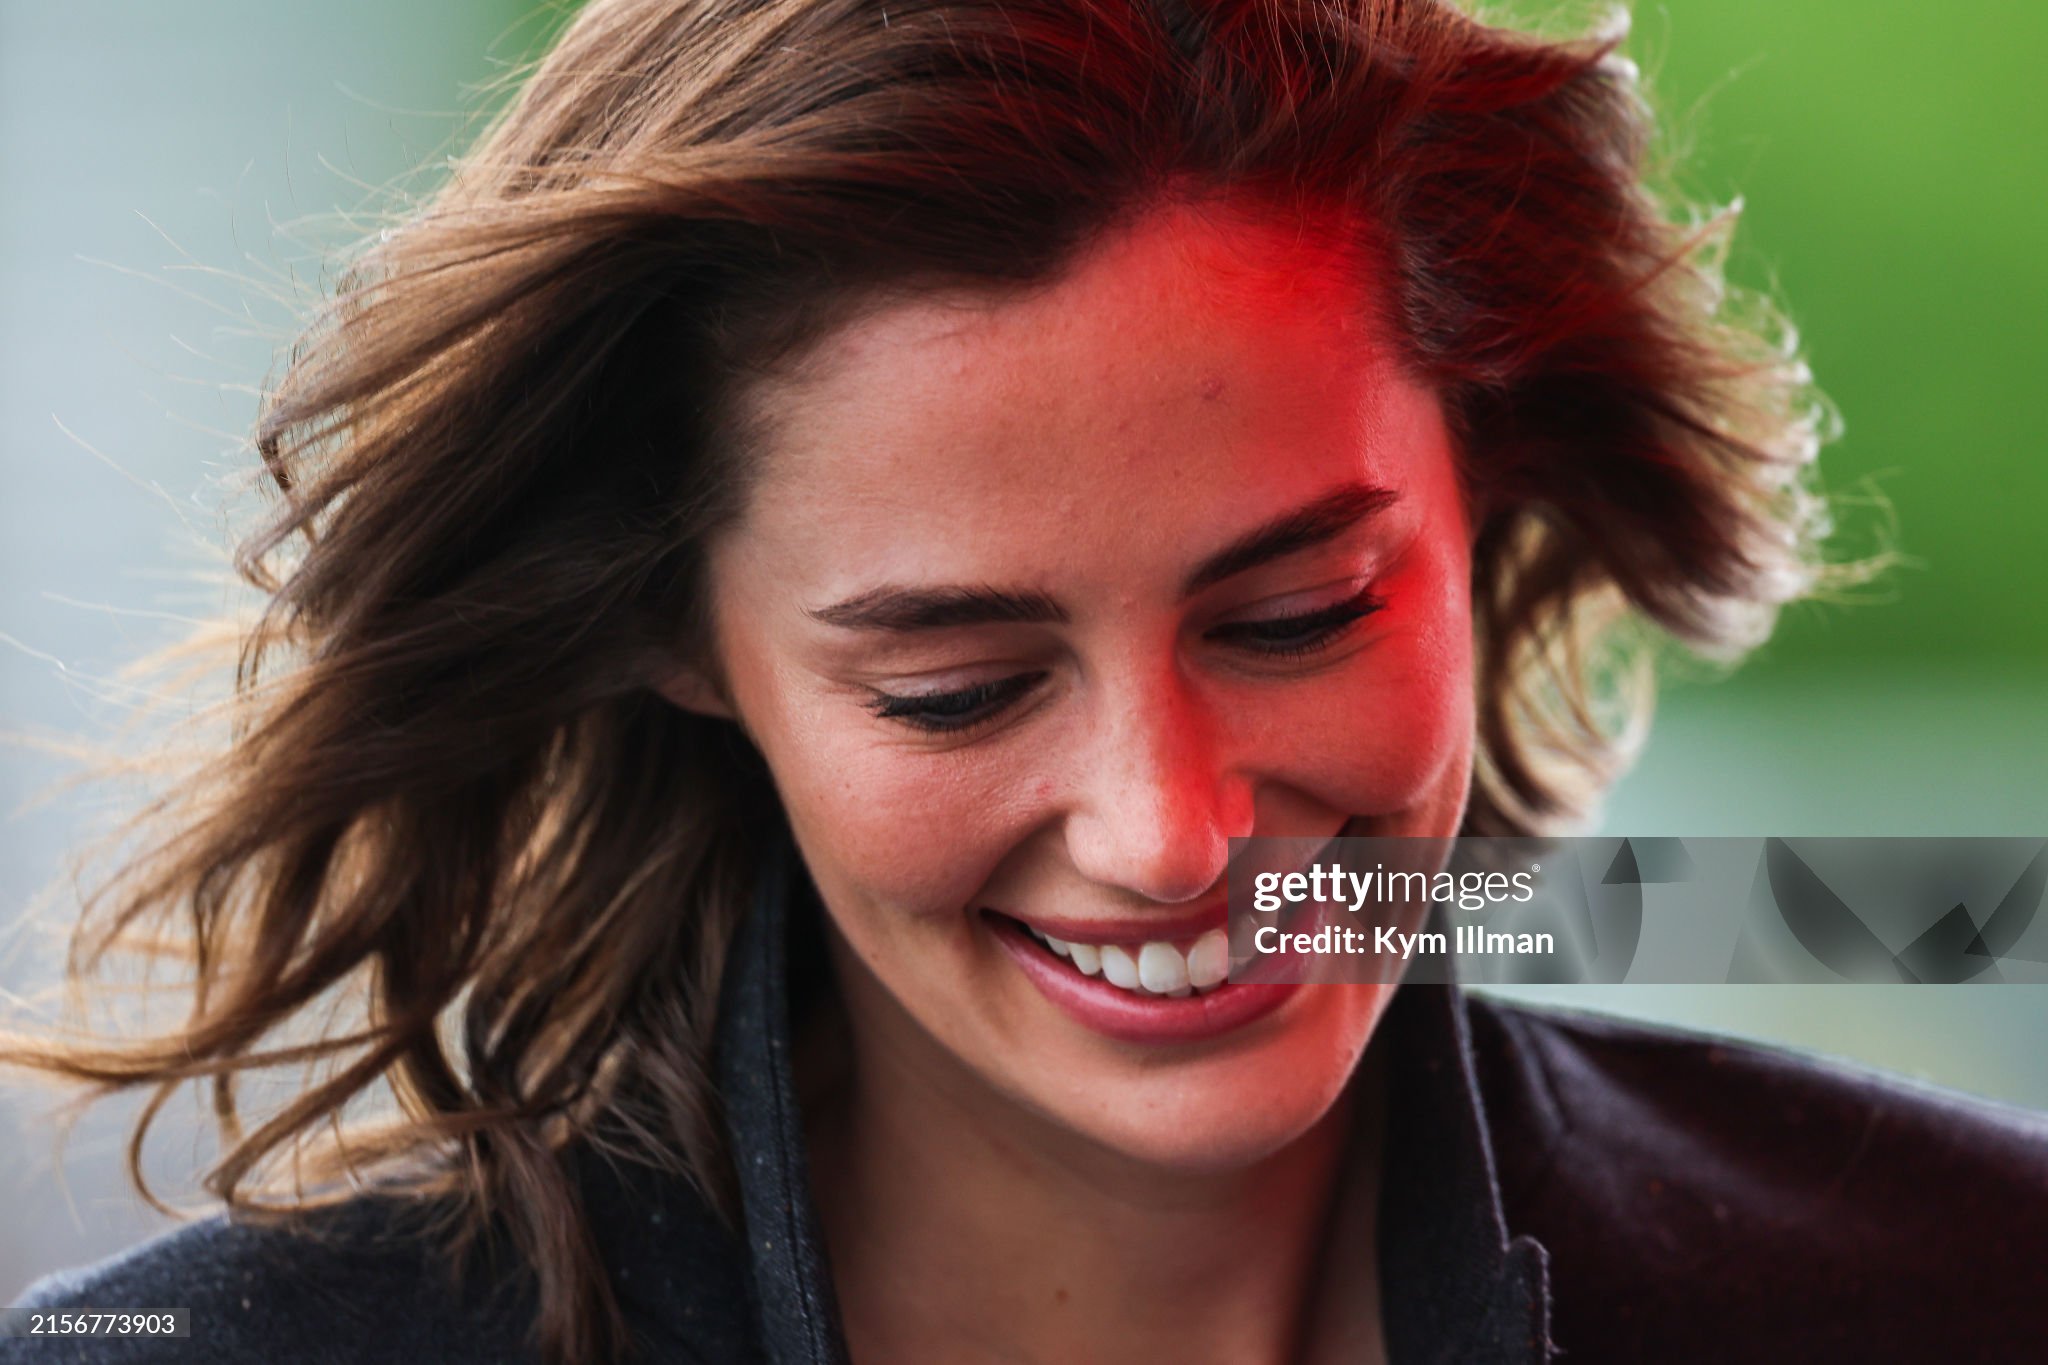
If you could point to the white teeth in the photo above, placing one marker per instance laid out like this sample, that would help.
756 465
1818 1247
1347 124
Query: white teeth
1153 968
1161 969
1209 960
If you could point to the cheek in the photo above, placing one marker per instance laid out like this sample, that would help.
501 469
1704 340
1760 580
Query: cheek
1393 725
894 837
1427 700
862 813
1386 743
1430 698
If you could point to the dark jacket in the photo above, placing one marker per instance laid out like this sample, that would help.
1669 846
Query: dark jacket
1557 1187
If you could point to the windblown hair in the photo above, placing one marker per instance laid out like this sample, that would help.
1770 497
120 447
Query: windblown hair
501 446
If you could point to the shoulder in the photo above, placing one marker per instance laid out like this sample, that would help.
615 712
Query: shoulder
360 1281
1716 1186
1633 1090
367 1281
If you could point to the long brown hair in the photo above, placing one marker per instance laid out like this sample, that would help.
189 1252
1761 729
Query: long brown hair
500 447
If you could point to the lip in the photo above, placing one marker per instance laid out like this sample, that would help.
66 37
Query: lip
1124 1015
1151 928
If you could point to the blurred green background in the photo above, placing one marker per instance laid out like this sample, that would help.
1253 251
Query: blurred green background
167 165
1894 175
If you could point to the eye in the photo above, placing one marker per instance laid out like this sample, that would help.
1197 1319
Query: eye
952 712
1304 633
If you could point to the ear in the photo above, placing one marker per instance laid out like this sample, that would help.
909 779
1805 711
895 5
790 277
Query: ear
692 689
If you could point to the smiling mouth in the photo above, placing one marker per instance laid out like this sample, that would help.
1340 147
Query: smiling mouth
1148 969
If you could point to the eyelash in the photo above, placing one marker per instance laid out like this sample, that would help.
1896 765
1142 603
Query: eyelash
957 712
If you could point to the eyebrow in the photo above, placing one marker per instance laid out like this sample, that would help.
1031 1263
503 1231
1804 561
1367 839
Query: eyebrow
903 610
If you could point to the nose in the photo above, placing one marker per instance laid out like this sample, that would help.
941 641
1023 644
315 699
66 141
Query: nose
1159 799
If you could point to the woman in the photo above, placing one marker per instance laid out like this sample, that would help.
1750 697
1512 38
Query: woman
791 572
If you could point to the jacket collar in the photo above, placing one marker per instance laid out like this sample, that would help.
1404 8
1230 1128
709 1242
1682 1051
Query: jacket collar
1454 1285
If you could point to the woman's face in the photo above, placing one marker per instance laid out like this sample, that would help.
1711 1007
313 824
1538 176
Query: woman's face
1012 617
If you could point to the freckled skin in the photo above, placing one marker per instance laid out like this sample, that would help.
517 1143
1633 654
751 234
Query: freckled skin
1183 383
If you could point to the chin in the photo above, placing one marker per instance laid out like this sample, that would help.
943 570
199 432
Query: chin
1218 1143
1218 1109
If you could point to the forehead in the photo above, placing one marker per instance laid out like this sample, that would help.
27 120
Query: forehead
1186 371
